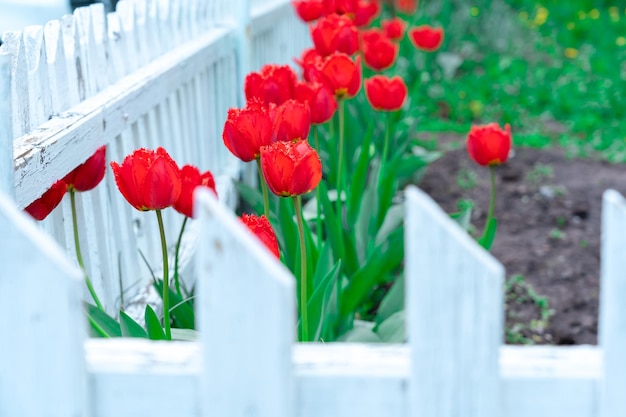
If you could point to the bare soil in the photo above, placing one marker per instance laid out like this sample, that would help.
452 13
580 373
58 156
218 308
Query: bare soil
549 216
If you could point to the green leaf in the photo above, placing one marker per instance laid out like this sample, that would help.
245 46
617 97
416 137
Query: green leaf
463 217
153 324
101 324
180 310
130 328
384 258
393 330
489 234
332 223
250 195
393 220
318 301
364 222
392 302
289 231
358 179
185 335
361 333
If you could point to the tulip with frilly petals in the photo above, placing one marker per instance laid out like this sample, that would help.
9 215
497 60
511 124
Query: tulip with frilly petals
191 178
291 168
335 33
273 84
379 52
386 94
262 229
309 10
320 99
43 206
148 180
291 121
489 144
342 74
426 38
88 175
246 130
394 28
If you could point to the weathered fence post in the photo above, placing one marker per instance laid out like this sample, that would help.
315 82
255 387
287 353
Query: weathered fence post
246 311
6 131
612 326
42 371
454 316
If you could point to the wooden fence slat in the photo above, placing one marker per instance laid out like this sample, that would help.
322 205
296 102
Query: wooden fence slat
246 312
612 326
14 44
6 126
454 316
42 371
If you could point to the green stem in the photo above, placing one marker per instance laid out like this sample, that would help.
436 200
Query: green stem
180 238
304 316
166 283
79 255
492 202
266 198
340 158
318 196
383 159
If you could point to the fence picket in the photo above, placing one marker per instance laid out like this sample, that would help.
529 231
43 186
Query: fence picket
454 316
612 325
42 370
7 185
246 312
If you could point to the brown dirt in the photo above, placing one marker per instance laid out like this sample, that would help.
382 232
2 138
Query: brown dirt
549 213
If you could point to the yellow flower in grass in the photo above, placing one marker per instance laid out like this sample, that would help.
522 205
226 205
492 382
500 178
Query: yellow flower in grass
541 16
474 11
594 14
614 13
620 41
571 53
571 26
582 15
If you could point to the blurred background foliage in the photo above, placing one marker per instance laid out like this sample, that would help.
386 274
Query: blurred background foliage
553 69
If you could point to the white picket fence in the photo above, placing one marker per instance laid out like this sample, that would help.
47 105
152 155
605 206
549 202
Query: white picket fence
164 73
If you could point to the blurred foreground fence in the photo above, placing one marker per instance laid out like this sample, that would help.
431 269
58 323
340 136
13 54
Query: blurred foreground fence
163 73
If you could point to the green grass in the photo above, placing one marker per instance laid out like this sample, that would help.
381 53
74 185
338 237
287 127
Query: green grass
555 70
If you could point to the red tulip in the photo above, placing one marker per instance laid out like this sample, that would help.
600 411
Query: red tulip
394 28
386 94
341 74
291 168
89 174
320 99
273 84
426 38
489 144
261 227
335 33
379 52
246 130
40 208
148 180
291 121
310 62
309 10
406 6
191 178
365 12
342 6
